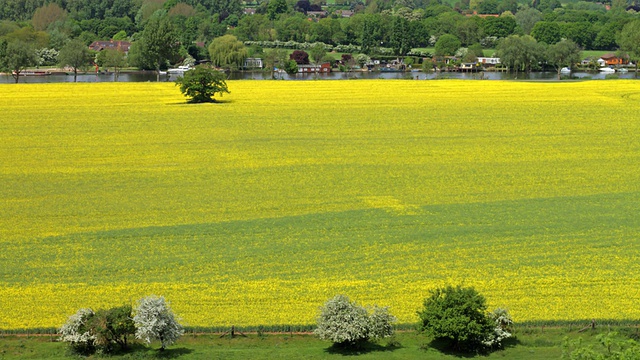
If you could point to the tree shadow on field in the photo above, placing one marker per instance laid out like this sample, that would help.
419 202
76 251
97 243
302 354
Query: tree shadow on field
140 351
444 346
510 343
360 349
172 353
187 102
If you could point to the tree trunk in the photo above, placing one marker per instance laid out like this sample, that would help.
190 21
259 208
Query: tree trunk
16 76
75 74
158 74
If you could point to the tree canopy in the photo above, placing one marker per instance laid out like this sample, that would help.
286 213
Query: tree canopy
154 320
202 83
629 41
348 324
158 44
16 56
456 315
227 52
76 55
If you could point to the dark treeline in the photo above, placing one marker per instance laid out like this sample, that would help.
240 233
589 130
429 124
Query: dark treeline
399 23
369 26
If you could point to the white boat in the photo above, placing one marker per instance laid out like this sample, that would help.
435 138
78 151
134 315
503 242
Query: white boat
565 70
33 73
179 70
607 70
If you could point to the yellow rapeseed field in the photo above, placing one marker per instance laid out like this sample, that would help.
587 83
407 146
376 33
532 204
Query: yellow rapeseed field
257 209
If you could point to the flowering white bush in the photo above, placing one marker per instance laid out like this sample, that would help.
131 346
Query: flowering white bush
502 321
155 320
76 333
346 323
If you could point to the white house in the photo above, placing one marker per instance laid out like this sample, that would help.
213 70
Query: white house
489 60
253 63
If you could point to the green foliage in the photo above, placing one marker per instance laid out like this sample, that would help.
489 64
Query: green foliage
76 55
546 32
276 7
291 67
16 56
227 52
612 346
500 27
87 331
347 324
527 19
159 43
629 41
202 83
3 54
564 53
447 45
317 53
77 333
111 58
400 36
120 35
274 58
477 50
112 327
520 52
456 315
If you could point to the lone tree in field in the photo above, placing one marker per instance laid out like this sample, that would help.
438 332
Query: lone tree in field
202 83
349 325
155 320
456 316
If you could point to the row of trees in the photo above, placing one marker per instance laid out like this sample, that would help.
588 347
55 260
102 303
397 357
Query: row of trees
17 56
524 53
160 43
456 317
106 331
399 25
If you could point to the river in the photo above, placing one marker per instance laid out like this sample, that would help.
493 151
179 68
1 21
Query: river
150 76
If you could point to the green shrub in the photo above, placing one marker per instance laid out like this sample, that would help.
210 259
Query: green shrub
456 316
112 327
87 331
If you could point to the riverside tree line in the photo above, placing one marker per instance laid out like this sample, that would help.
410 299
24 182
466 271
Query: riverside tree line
163 32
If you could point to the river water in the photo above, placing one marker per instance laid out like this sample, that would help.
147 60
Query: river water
150 76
